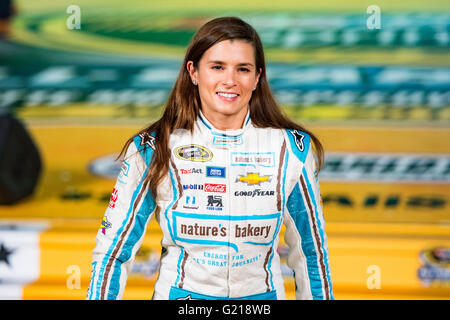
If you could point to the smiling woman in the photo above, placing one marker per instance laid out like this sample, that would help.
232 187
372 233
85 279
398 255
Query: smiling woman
215 64
222 170
226 82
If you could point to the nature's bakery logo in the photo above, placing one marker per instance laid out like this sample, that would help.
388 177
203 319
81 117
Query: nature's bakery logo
231 231
253 159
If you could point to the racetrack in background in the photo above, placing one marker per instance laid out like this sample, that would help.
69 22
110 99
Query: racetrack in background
378 100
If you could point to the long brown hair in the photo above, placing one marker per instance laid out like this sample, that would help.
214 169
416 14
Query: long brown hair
183 105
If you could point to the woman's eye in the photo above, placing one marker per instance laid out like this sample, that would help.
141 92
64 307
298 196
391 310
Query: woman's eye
217 67
244 69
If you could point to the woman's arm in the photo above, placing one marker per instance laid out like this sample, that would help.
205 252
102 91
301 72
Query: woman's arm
305 231
123 226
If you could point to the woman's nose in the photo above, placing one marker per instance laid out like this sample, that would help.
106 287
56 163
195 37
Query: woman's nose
229 78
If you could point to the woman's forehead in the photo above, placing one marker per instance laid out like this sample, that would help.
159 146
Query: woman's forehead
236 51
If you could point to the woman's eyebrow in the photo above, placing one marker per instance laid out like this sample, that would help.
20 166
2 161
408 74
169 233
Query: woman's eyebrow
223 63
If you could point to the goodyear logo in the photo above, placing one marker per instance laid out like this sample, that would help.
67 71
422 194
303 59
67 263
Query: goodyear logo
253 179
193 152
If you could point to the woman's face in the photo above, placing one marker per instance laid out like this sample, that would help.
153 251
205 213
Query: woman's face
226 77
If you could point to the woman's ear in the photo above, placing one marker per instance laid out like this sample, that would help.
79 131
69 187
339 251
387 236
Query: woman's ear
257 78
192 71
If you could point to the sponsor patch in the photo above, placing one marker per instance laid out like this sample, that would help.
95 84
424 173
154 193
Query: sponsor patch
254 193
192 187
225 141
253 179
192 170
190 202
123 174
214 203
193 152
147 140
264 159
205 229
105 225
114 196
298 138
215 172
213 187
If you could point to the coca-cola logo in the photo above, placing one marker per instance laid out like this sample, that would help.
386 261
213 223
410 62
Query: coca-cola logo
213 187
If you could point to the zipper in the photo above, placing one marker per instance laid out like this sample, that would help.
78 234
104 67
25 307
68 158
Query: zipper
228 194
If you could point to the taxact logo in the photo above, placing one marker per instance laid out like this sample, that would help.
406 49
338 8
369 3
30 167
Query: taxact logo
192 170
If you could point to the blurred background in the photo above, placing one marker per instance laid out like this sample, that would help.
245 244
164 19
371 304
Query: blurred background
370 78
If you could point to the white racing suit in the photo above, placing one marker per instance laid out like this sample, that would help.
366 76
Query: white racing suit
220 209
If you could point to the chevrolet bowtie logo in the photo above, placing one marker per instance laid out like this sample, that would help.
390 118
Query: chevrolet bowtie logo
253 178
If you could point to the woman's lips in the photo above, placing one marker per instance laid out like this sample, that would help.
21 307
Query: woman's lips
229 97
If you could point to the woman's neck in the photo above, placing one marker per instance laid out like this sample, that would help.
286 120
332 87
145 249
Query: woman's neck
225 122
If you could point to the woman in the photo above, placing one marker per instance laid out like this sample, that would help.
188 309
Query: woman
222 170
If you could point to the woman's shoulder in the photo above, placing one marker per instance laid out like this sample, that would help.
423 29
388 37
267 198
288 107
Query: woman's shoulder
145 140
299 142
143 143
287 131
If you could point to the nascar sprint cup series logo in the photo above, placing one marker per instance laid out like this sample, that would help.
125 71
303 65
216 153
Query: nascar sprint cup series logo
193 152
